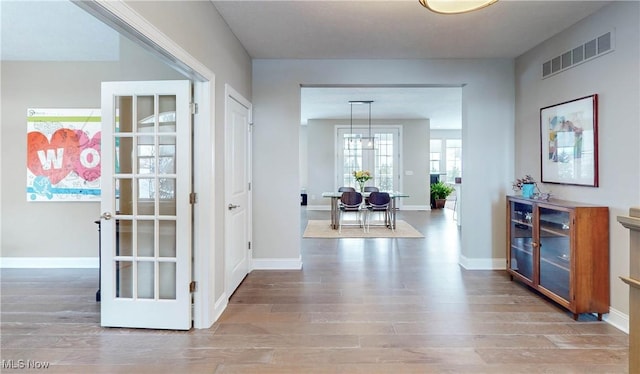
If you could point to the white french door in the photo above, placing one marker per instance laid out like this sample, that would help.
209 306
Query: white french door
383 161
146 220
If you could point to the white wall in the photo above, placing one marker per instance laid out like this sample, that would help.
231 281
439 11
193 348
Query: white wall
488 113
56 229
615 77
304 158
199 30
415 159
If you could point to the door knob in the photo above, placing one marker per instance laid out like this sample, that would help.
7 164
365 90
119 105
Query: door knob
106 216
233 206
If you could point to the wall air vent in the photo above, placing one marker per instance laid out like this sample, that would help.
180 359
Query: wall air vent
582 53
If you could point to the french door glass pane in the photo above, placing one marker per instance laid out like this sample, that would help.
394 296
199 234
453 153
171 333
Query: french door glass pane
167 272
124 237
123 195
124 279
146 235
124 147
145 113
146 278
167 241
124 114
167 118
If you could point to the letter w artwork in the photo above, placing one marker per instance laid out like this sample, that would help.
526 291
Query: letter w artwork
63 155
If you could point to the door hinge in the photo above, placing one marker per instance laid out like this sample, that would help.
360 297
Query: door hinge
249 245
193 198
192 286
194 108
249 186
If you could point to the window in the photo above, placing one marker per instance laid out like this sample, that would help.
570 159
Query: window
382 162
435 156
454 159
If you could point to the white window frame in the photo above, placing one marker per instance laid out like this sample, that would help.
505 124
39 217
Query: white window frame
338 165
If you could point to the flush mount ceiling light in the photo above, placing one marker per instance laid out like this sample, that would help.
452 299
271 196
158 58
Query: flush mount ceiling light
455 6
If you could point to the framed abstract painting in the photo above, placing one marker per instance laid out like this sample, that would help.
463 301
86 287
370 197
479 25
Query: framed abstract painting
569 142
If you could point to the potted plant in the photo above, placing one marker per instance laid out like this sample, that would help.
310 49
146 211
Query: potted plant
439 193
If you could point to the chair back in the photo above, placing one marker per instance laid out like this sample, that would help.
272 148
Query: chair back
351 199
371 189
346 189
379 200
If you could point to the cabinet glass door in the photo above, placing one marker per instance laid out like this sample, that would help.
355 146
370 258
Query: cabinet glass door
555 256
521 232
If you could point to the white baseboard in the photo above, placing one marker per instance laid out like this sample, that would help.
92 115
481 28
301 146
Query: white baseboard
277 263
617 319
482 263
219 307
49 262
319 207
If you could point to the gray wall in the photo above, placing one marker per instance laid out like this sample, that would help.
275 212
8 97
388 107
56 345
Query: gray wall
55 229
200 30
488 112
320 173
615 77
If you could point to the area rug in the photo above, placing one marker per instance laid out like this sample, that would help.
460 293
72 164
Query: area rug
322 229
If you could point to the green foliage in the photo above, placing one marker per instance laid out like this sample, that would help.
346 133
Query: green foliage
441 190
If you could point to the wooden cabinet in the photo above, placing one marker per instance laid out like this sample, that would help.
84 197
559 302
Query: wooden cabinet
561 249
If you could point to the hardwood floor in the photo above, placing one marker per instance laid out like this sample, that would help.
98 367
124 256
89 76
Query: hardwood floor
358 306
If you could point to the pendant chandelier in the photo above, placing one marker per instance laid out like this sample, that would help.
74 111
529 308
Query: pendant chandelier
366 142
455 6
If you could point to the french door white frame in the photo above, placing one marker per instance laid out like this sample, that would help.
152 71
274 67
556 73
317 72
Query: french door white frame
398 180
124 19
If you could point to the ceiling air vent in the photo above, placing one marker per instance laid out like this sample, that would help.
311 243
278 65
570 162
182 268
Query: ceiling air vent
582 53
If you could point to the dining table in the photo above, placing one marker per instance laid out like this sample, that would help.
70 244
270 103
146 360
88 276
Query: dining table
335 198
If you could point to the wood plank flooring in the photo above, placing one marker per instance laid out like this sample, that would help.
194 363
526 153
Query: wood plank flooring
358 306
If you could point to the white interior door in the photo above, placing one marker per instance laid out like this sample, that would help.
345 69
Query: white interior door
237 190
146 219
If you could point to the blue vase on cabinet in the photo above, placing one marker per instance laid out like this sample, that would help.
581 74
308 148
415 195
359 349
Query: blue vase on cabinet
527 190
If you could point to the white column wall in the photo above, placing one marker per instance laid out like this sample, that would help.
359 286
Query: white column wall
488 113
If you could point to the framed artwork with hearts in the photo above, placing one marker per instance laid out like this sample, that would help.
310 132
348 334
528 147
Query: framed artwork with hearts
63 154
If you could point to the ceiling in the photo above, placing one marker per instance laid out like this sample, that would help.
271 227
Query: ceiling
340 29
28 33
393 29
442 105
